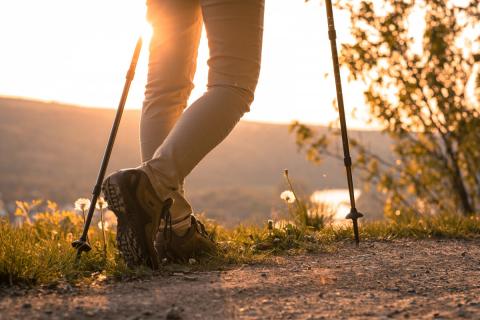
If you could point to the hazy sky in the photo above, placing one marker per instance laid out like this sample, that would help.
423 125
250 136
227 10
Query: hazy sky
78 52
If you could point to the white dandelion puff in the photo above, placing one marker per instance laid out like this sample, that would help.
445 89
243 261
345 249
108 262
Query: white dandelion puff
287 196
82 204
101 204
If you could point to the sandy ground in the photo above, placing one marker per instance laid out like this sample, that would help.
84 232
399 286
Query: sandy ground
380 280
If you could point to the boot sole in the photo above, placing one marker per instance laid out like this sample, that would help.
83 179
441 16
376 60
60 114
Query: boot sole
135 229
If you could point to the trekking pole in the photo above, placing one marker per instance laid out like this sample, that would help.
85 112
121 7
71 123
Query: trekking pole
332 35
81 244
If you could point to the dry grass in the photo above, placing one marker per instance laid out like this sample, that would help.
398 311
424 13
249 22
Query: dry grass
38 250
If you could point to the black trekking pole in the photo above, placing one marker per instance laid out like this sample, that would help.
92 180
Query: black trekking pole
82 244
332 35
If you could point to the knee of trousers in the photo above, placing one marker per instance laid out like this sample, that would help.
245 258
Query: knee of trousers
164 100
242 96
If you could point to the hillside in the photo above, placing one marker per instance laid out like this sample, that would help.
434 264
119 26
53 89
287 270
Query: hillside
53 151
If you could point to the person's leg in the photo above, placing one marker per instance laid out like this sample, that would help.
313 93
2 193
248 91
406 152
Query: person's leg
176 34
234 31
130 194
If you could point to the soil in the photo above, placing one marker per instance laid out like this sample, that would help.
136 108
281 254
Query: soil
428 279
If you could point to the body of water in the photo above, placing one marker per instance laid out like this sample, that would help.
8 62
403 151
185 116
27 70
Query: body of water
337 199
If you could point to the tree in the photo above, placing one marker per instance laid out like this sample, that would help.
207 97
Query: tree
420 97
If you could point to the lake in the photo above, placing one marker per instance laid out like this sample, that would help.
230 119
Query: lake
338 199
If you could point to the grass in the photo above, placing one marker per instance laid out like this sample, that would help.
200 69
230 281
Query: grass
38 250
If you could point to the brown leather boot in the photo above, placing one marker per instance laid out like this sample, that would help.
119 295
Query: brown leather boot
192 244
139 210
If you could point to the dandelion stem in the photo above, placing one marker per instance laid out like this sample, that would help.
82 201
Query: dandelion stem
103 234
297 202
83 213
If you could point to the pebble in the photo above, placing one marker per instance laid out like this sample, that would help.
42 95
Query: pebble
190 278
174 313
91 313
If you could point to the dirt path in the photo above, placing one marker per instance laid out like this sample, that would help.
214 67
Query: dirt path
381 280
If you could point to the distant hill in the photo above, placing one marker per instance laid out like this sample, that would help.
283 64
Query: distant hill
52 151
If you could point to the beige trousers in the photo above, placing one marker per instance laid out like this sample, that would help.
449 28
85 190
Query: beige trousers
174 139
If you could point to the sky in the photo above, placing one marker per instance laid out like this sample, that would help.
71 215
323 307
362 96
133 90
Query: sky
77 52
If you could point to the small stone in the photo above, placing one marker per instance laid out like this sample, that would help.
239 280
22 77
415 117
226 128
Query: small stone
26 305
174 314
263 274
91 313
190 278
192 261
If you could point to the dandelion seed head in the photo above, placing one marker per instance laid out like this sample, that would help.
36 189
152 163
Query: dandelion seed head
287 196
82 204
106 225
397 213
101 204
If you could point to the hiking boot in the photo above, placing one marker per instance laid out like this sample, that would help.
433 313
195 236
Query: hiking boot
139 211
190 245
